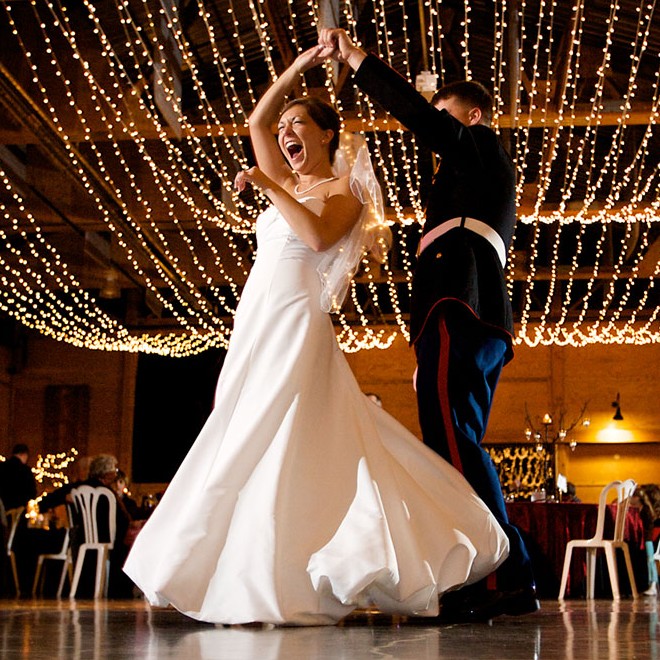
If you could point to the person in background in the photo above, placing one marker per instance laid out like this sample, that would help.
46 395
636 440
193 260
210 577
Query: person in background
641 500
461 322
103 472
17 483
138 514
570 494
17 488
653 493
122 490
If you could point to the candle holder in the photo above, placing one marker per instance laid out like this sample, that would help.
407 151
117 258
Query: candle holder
547 438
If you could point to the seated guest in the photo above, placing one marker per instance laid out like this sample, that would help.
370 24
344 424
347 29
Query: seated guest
4 533
17 487
642 500
121 488
138 514
653 493
102 472
17 482
570 494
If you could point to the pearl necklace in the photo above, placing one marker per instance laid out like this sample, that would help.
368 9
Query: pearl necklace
318 183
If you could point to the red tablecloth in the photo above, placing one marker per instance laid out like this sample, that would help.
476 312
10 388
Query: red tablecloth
547 528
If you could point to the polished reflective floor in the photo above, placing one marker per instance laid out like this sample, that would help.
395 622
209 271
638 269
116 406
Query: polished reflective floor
88 630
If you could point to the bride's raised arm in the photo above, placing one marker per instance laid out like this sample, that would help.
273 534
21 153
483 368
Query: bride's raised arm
270 159
299 160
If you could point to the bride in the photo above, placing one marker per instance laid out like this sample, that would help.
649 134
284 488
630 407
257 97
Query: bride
301 499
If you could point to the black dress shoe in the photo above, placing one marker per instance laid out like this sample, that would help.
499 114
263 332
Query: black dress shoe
488 606
464 607
518 602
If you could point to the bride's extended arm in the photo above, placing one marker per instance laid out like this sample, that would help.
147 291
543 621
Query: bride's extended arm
264 143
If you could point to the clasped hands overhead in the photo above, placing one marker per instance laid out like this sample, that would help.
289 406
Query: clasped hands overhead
334 43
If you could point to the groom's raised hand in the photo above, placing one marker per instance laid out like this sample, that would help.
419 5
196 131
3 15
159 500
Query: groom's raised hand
336 42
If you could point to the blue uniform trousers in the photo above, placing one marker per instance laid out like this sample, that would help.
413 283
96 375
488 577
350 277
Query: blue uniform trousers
459 363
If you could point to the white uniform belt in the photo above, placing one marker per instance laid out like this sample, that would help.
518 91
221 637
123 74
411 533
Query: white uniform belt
476 226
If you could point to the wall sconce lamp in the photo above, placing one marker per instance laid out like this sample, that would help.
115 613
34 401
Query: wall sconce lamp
617 404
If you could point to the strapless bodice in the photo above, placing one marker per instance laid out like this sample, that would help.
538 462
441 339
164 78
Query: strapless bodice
275 235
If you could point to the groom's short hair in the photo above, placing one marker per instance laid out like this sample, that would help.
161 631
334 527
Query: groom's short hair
471 93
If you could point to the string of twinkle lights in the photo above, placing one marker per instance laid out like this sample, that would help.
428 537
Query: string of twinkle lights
112 65
52 468
50 472
139 230
386 163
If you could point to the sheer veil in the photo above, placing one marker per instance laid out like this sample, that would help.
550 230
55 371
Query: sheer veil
370 233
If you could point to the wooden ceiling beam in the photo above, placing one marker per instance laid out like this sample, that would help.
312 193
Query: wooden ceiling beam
640 115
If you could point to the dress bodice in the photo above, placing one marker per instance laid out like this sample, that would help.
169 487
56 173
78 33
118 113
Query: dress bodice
271 224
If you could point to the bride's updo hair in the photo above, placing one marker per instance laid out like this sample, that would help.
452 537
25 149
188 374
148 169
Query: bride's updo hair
323 115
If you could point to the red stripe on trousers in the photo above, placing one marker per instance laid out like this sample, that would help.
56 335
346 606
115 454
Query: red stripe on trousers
443 395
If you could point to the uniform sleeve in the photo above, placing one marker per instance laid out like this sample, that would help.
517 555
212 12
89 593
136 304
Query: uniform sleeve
436 129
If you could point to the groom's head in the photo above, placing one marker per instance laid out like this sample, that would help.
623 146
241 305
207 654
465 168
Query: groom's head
466 100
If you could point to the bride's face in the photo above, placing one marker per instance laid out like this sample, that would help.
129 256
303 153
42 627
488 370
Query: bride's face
302 141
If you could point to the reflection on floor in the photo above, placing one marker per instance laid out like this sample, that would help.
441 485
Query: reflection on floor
74 630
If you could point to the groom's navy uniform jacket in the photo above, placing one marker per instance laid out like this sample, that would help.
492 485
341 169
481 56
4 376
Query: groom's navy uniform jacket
475 179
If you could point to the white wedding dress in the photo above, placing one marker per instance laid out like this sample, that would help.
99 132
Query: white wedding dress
301 499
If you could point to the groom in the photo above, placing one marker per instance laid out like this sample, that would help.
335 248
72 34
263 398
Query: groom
460 317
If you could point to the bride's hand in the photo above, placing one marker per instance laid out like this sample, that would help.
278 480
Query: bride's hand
336 44
253 176
312 57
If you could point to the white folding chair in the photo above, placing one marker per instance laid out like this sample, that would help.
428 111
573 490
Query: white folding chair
64 555
624 491
13 518
85 508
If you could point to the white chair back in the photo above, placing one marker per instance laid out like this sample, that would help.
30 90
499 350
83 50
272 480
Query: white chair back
13 518
86 500
64 555
624 491
85 505
624 495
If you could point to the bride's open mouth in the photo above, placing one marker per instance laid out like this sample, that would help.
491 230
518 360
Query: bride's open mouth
294 151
